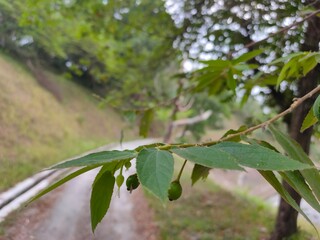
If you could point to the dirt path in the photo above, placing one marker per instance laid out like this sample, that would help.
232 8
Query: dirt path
65 215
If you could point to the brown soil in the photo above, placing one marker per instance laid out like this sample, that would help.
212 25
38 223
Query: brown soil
146 228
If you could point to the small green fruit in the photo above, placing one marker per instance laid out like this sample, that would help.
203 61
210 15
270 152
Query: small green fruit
174 191
132 182
127 165
119 180
316 108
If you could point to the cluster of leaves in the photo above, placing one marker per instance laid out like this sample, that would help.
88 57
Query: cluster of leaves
218 75
221 27
155 168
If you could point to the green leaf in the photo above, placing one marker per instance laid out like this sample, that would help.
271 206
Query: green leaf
215 87
308 121
247 56
206 80
209 157
274 182
258 157
231 82
97 159
145 122
218 64
258 142
285 69
302 63
282 75
60 182
317 58
306 11
286 58
245 97
242 67
155 171
233 131
110 167
308 65
101 194
199 172
308 55
296 180
316 108
294 150
267 80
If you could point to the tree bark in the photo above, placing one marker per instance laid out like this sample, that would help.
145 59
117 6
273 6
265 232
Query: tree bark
286 221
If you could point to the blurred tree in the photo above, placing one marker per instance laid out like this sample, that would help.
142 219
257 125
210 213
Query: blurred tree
224 29
119 46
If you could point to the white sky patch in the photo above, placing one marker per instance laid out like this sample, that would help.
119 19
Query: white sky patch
187 66
68 64
256 93
173 8
26 40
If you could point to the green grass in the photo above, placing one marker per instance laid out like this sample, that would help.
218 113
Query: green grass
37 129
206 211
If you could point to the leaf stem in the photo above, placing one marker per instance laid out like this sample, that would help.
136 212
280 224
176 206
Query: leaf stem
181 170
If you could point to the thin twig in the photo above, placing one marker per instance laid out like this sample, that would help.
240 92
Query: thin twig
293 106
282 30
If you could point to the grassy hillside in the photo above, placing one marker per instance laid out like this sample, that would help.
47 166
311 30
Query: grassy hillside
40 126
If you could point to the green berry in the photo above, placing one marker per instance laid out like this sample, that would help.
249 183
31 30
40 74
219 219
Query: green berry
119 180
127 165
132 182
316 108
174 191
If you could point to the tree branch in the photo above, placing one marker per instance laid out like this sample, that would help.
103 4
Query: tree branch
282 30
293 106
190 121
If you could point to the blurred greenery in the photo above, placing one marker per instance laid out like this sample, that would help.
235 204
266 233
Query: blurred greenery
113 47
37 130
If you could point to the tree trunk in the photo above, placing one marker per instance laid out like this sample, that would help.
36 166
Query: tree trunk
286 222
